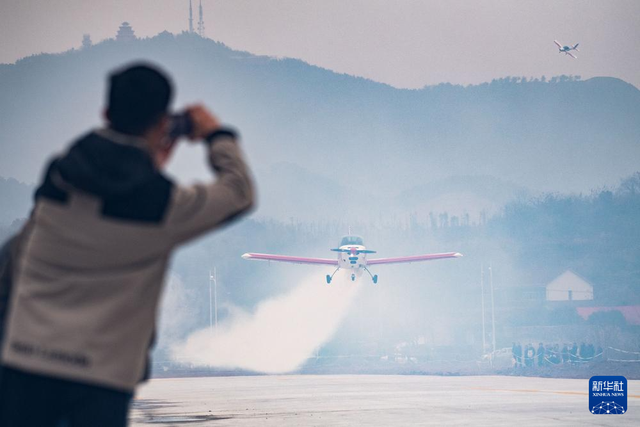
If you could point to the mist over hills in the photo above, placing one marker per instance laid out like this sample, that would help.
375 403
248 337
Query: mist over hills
16 200
331 149
319 139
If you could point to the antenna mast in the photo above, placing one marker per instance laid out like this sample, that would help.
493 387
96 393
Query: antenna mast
201 22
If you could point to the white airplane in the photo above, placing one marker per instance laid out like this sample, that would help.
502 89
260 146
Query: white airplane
567 49
352 256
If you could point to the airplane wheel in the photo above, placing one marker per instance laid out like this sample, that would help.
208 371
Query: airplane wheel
328 279
375 279
353 277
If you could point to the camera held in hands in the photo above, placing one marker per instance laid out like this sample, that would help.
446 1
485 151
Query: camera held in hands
181 125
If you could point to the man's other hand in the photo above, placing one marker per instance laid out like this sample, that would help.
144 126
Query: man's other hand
204 122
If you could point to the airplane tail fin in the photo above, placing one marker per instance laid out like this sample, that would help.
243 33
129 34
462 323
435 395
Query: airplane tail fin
576 47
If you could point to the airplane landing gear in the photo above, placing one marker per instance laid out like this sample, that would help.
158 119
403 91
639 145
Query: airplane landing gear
374 278
329 277
353 277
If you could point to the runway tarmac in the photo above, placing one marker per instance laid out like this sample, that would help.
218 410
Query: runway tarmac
373 400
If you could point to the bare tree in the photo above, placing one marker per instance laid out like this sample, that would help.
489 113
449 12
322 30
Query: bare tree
630 186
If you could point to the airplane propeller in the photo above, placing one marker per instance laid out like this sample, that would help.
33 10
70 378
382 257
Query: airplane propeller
356 251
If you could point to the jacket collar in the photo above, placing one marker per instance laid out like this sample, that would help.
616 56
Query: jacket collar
123 138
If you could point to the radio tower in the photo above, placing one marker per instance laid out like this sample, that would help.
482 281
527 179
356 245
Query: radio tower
190 18
201 22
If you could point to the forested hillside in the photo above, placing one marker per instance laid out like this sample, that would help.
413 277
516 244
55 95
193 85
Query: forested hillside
372 140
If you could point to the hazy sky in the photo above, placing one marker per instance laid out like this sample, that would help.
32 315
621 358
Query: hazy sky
405 43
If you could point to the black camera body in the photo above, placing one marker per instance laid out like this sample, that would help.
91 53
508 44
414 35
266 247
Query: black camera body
181 125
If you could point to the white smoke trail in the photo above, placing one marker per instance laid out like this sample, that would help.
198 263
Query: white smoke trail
280 335
174 317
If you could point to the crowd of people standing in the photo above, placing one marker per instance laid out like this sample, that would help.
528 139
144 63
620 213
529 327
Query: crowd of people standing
551 354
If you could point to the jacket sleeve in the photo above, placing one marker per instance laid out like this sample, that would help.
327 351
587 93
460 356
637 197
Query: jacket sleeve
6 279
199 208
9 253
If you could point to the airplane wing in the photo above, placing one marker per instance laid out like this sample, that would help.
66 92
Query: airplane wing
571 55
558 44
290 259
414 258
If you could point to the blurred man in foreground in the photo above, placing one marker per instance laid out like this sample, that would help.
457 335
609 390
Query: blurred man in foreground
89 265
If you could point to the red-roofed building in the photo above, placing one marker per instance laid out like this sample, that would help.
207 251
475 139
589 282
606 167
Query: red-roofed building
631 313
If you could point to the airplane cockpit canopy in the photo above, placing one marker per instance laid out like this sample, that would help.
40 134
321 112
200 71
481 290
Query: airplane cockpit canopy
352 240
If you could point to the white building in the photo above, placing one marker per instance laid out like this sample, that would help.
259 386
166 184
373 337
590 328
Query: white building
569 287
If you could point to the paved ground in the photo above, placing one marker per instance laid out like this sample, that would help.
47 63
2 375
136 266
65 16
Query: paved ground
383 400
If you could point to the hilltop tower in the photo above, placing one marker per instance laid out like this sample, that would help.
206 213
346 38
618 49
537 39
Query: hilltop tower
125 33
86 41
190 18
201 22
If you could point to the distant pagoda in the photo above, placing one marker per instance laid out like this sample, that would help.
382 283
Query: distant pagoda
86 41
125 33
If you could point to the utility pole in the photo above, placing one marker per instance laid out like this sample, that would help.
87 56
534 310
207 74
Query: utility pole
213 303
190 18
493 314
484 333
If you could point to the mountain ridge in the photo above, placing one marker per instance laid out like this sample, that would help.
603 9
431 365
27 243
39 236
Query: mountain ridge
558 135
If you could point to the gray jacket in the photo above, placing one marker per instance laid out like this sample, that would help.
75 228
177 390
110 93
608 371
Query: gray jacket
93 259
